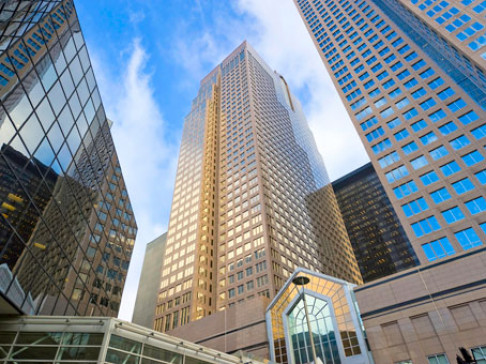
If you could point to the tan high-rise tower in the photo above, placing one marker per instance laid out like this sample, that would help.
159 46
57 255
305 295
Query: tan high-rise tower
252 199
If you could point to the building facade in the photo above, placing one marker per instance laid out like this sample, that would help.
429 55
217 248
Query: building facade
148 285
252 200
425 314
379 242
66 224
422 128
99 340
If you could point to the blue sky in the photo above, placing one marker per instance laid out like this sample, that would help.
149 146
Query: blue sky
149 57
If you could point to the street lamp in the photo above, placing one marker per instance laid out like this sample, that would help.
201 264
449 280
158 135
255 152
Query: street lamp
302 281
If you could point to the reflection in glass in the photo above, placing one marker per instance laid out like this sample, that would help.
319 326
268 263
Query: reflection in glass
56 160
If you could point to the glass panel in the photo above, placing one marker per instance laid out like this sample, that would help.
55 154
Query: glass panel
34 352
125 344
165 355
77 353
115 356
73 338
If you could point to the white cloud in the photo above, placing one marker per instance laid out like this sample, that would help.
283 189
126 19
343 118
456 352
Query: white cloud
147 157
280 37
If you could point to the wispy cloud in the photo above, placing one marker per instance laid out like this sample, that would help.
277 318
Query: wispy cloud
281 38
147 157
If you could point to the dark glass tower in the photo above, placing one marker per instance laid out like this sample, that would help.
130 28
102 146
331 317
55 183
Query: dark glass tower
380 245
66 225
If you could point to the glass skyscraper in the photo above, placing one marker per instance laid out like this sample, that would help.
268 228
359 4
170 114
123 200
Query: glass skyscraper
252 199
379 242
411 75
66 224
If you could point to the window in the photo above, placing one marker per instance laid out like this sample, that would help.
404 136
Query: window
440 195
410 114
368 123
402 134
375 92
448 92
427 104
438 249
389 159
480 132
436 83
402 103
403 74
415 207
419 125
419 162
463 186
410 148
428 138
481 176
439 152
476 206
395 93
479 353
388 84
450 168
411 83
438 115
380 102
452 215
425 226
427 73
472 158
456 105
396 174
387 112
468 238
429 178
438 359
378 132
469 117
392 124
459 142
448 128
419 93
381 146
405 189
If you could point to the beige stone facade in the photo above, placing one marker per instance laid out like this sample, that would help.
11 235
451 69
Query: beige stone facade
241 327
428 311
250 200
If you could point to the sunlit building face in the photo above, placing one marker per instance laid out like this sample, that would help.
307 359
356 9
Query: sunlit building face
66 224
252 200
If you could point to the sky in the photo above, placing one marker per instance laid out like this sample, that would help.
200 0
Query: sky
149 57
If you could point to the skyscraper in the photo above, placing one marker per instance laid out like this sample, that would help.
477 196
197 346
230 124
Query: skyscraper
380 245
148 285
252 200
66 225
414 88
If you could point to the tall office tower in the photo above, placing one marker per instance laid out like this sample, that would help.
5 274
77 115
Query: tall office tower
148 285
379 242
66 225
416 109
246 209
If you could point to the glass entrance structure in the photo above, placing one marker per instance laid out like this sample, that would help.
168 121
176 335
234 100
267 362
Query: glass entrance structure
324 335
333 324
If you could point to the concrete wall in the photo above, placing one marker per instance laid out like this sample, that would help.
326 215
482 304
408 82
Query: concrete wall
428 310
241 327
